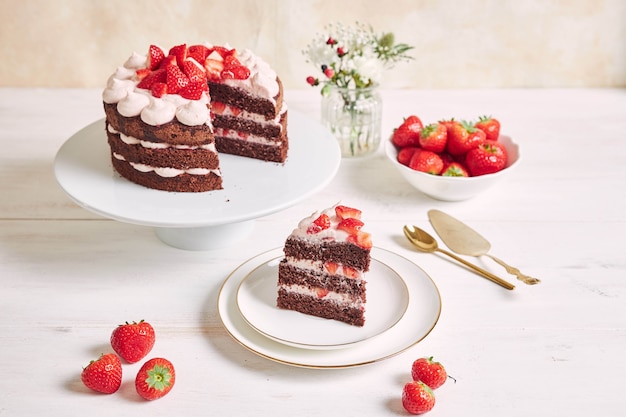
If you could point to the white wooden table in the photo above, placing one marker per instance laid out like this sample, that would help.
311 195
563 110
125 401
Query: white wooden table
68 276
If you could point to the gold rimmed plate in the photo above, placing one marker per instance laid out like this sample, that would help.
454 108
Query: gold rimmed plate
387 301
420 317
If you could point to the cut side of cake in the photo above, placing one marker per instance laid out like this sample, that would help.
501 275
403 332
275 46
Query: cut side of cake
159 115
322 273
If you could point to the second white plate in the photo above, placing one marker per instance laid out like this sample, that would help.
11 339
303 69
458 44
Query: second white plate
387 301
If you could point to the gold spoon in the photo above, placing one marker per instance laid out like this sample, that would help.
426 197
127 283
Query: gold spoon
426 243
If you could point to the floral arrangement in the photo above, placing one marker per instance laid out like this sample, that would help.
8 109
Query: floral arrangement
353 57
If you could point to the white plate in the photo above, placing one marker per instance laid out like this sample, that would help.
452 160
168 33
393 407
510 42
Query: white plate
252 188
422 313
387 301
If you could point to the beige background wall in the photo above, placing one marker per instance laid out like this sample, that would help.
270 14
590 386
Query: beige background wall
459 44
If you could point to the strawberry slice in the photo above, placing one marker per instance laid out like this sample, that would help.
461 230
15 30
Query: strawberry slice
158 89
142 73
168 61
331 267
217 107
155 56
158 76
361 239
193 90
223 51
175 79
323 221
350 225
350 272
180 52
345 212
213 68
321 292
194 71
198 52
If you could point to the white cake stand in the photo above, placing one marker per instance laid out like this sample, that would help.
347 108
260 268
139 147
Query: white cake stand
200 221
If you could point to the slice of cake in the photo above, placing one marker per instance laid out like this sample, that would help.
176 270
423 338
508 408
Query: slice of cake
248 113
322 272
159 119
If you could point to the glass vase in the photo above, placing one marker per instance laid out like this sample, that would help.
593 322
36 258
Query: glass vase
353 116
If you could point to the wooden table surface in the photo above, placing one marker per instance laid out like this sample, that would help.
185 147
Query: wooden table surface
69 276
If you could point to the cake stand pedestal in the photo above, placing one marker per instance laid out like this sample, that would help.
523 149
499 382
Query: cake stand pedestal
205 238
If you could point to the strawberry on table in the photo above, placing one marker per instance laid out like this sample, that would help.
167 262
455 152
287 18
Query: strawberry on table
103 374
434 137
133 341
490 126
417 397
429 372
462 137
489 157
426 161
408 133
155 378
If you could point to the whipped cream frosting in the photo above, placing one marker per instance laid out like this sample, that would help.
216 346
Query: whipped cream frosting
332 233
343 299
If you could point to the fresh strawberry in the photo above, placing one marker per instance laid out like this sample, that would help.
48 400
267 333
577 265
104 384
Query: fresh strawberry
133 341
103 374
193 90
426 161
408 133
345 212
350 225
223 52
214 67
180 52
157 76
331 267
405 154
463 137
194 71
417 397
158 89
487 158
168 61
155 378
198 52
429 372
323 221
361 239
175 79
240 72
490 126
434 137
155 56
454 169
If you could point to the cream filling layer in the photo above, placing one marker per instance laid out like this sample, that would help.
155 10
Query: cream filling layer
130 140
167 172
318 266
246 137
343 299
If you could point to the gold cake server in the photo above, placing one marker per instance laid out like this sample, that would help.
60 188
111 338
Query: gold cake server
464 240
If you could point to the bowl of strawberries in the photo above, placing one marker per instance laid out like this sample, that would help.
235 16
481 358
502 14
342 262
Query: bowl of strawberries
452 160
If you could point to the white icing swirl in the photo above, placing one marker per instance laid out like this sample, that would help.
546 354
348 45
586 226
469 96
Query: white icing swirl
116 90
136 61
158 112
194 113
133 104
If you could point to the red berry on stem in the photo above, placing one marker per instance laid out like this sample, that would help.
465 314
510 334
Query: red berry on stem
429 372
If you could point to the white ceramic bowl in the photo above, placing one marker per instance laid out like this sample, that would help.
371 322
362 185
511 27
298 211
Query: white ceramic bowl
454 188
